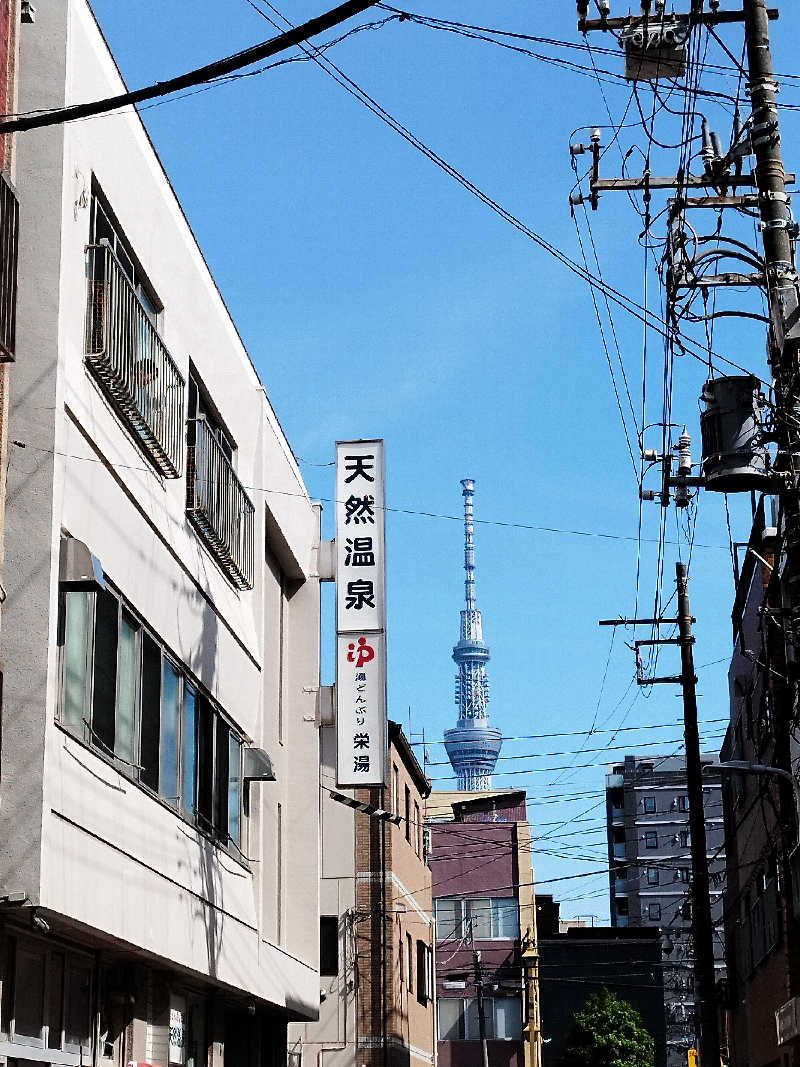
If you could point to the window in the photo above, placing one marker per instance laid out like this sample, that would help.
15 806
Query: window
459 1021
424 972
683 803
486 918
654 912
410 962
47 1003
124 349
652 875
408 813
328 945
216 500
651 839
125 695
417 830
685 838
684 875
650 805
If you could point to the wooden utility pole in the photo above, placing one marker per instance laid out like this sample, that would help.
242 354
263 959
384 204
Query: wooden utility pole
476 956
702 928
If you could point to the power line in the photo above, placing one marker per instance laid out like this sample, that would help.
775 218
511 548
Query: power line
219 68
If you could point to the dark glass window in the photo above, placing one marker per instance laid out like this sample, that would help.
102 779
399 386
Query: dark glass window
651 839
105 668
151 711
650 805
328 945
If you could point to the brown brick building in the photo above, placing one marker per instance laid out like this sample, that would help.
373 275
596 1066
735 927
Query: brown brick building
376 932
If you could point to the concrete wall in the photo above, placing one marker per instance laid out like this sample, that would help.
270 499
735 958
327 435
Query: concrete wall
78 836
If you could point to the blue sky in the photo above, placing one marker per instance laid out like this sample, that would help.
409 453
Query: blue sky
379 298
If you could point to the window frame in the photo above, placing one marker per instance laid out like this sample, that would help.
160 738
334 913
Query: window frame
654 911
653 876
649 805
85 733
648 837
71 961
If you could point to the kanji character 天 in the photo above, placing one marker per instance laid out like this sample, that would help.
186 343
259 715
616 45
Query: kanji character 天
360 467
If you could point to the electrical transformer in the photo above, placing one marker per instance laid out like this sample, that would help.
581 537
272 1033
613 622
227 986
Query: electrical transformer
735 457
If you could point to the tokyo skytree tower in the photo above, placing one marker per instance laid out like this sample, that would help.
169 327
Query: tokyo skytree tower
472 745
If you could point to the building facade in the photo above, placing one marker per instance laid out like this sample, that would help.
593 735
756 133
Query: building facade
486 943
582 960
649 851
10 28
761 893
161 637
376 922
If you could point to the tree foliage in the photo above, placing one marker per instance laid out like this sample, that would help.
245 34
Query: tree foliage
608 1032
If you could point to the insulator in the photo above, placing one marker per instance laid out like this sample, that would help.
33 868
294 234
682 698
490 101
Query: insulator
684 451
651 455
604 7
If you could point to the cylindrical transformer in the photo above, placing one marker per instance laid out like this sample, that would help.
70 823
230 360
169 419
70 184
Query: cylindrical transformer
735 458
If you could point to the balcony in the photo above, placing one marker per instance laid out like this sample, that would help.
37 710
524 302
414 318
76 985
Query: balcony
131 362
621 887
617 816
619 850
9 237
218 505
615 781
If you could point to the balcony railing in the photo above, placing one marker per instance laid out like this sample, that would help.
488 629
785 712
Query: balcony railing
218 505
132 363
9 239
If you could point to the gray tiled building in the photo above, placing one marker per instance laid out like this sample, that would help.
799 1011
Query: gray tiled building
649 849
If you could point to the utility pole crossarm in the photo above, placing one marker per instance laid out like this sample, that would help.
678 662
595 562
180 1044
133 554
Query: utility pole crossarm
703 18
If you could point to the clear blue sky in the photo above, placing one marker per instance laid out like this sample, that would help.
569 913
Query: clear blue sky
379 298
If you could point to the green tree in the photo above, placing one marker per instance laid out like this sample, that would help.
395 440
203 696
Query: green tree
608 1032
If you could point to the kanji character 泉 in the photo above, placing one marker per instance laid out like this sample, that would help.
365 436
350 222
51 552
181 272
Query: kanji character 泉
360 594
358 552
359 466
359 509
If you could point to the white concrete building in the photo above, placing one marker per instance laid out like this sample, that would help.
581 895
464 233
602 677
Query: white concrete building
158 897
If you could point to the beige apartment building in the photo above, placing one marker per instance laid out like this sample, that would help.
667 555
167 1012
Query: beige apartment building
161 628
376 923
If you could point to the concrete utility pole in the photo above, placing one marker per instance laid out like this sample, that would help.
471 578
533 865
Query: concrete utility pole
702 928
782 293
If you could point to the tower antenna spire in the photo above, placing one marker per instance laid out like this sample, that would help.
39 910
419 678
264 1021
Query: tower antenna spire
472 745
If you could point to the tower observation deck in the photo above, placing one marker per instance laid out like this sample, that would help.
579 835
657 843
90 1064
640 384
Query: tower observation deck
472 745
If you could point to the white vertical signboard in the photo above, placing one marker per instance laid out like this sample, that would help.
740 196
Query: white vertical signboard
360 614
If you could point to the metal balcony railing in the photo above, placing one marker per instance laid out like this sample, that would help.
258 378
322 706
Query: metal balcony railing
9 239
218 505
131 362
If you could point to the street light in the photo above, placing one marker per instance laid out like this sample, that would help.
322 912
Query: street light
738 766
743 767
